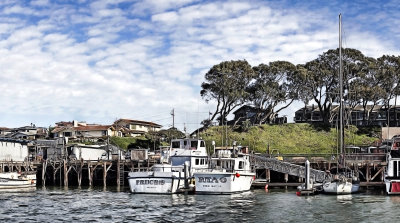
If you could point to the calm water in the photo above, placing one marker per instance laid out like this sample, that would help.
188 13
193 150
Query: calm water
96 205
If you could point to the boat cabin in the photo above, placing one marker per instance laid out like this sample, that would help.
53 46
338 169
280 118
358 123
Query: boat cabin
231 159
189 150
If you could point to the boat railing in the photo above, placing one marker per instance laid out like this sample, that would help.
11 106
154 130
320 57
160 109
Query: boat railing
324 157
158 169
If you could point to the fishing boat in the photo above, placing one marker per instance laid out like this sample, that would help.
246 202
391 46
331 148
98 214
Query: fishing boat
230 172
16 180
186 156
342 182
392 174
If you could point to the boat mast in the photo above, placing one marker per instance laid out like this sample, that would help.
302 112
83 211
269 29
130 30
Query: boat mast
341 88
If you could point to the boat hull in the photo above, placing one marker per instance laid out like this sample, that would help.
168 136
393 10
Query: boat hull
338 187
15 180
392 187
156 182
222 183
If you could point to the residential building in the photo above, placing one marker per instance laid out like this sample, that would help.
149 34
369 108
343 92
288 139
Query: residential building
75 130
247 112
130 127
372 116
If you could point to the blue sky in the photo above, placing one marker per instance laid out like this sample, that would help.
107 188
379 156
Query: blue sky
97 61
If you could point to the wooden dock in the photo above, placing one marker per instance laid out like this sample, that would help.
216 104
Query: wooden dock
288 172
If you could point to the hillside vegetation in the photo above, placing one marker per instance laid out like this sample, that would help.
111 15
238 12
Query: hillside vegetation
288 138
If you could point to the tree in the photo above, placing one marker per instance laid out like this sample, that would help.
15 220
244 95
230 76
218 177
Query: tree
226 83
321 80
389 77
274 84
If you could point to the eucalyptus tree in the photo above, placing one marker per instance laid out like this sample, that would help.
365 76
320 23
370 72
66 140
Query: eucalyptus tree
226 83
366 89
274 85
389 77
321 78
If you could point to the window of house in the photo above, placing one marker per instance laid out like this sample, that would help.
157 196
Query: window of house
67 134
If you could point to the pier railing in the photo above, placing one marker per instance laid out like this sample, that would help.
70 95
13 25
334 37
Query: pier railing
286 167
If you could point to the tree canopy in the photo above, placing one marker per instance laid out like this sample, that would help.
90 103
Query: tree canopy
272 87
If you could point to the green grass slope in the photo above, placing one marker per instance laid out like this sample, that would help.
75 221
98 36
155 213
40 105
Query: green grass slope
288 138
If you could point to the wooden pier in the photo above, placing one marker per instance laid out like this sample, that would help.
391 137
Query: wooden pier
289 169
276 173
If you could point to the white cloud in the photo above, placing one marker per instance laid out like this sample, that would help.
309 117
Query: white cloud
97 61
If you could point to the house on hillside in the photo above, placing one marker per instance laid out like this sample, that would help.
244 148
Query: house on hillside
25 133
4 131
247 112
75 130
129 127
372 116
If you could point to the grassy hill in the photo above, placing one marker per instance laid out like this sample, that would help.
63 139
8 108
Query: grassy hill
288 138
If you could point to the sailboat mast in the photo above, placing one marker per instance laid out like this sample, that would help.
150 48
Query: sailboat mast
341 87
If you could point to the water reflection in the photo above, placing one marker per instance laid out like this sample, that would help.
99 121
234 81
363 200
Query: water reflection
59 204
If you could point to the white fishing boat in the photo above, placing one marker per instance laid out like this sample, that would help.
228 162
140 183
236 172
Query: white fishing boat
230 172
15 180
392 174
342 182
186 156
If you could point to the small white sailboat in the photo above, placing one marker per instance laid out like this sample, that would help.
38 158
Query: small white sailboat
230 172
342 182
186 156
16 180
392 174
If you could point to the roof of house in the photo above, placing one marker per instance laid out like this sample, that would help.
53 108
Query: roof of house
93 128
131 121
251 108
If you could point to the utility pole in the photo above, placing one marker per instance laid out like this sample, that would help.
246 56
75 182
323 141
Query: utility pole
173 118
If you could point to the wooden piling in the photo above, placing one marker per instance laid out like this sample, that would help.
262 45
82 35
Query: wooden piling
44 167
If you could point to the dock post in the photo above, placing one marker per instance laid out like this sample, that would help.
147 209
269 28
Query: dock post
307 176
89 175
44 166
80 173
186 174
104 174
268 175
118 172
286 179
65 173
368 174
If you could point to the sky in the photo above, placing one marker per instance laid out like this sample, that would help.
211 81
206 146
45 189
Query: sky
98 61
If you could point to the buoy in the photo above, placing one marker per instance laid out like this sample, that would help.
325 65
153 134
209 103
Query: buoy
298 193
254 177
237 174
266 187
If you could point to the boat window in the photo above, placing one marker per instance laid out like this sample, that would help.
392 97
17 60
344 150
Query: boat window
202 144
197 161
218 163
241 164
185 143
202 162
176 145
193 144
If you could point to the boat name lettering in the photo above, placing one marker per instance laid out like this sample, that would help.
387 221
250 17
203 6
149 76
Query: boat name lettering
150 182
212 180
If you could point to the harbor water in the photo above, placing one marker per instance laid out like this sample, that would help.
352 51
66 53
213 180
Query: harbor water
54 204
